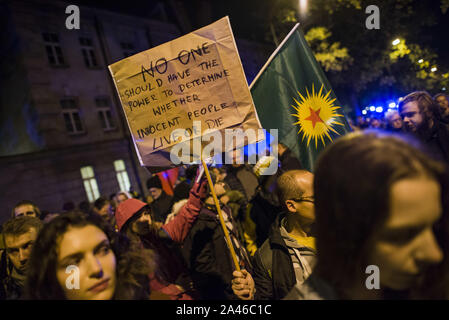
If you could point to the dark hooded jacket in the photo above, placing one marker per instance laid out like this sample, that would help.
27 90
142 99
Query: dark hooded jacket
209 258
161 207
273 271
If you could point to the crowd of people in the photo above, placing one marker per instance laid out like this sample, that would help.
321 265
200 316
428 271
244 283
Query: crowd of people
378 200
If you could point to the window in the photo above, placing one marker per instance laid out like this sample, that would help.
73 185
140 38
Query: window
53 49
104 113
122 175
71 116
128 49
87 49
90 183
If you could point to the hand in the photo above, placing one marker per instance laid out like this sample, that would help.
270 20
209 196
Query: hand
243 285
224 199
158 225
199 189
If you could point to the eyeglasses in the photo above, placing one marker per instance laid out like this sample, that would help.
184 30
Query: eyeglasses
305 199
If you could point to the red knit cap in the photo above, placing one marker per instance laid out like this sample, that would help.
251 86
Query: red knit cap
126 210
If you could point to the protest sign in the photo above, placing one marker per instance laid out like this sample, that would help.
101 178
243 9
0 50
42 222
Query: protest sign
184 90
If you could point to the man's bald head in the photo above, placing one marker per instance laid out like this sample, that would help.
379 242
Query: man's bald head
294 184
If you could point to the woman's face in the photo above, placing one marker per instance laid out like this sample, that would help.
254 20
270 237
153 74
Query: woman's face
405 246
121 197
91 275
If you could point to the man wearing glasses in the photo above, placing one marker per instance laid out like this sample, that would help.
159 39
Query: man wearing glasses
288 256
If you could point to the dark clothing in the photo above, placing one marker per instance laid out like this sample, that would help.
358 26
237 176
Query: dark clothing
242 179
314 288
161 207
273 270
289 161
437 142
209 258
171 269
171 265
263 213
11 288
265 204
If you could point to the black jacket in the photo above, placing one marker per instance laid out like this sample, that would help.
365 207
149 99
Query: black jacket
10 288
265 204
208 257
436 142
273 271
161 207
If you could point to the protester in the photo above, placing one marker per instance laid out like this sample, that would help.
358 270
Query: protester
25 208
107 265
442 101
135 219
419 113
122 196
102 207
394 121
379 204
19 235
288 256
207 253
180 196
375 123
162 203
265 206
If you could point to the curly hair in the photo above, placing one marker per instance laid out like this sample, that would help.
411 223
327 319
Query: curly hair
133 264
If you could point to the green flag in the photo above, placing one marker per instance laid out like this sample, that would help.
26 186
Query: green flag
292 94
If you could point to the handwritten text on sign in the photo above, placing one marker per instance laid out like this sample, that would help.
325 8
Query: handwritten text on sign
172 94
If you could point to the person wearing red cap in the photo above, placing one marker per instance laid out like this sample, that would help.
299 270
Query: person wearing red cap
135 219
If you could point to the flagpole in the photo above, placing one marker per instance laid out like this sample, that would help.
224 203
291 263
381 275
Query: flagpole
273 55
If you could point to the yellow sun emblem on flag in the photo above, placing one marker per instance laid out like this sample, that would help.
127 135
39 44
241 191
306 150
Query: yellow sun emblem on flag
316 115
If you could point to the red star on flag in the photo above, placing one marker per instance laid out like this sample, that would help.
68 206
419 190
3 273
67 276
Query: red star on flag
314 117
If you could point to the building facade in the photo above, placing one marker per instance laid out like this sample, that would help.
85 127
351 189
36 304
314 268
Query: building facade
63 136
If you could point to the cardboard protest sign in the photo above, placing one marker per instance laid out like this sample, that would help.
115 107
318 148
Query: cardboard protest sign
195 83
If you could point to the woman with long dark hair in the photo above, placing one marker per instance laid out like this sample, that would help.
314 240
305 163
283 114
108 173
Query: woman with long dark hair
80 257
381 210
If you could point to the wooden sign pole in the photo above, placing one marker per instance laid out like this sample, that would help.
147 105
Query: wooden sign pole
220 215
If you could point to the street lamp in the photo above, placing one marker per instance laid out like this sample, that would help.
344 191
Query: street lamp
303 6
420 60
433 69
396 42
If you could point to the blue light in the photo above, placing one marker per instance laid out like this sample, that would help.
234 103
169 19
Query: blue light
379 109
364 112
392 105
372 108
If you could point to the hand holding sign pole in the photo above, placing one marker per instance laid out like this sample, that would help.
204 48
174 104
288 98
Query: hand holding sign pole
220 216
